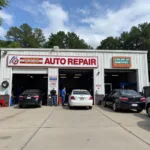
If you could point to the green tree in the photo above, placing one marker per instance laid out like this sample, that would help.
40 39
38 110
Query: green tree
9 44
26 36
66 40
3 3
110 43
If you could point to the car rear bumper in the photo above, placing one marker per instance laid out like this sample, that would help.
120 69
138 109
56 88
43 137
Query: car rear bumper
81 103
132 105
29 103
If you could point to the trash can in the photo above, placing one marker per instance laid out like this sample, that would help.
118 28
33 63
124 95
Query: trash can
2 103
49 100
59 100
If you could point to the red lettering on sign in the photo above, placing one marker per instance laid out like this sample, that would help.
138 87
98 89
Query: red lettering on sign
76 62
52 61
80 61
70 61
93 61
57 60
85 62
63 61
47 61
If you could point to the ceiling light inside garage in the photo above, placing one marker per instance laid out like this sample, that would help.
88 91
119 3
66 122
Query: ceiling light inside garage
115 75
77 74
76 77
45 77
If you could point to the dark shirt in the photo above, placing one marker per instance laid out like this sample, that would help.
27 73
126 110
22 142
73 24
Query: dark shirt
53 92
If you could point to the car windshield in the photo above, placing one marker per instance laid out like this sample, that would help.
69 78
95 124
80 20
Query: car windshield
31 92
81 93
129 92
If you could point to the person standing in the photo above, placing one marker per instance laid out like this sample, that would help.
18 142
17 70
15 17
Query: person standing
54 98
63 94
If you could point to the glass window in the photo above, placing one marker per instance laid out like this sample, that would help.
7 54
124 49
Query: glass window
81 93
129 92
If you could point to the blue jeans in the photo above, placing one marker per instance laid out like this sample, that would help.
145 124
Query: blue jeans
63 100
54 100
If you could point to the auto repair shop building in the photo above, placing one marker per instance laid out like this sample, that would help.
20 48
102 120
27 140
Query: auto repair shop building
98 71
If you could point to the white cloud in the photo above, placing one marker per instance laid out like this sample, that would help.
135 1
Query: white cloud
6 18
2 32
96 5
98 24
83 11
56 17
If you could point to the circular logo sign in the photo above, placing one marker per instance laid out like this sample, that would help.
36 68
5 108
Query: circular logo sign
15 61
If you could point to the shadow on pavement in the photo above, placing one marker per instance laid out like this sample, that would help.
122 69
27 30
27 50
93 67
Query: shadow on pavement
29 107
74 108
145 124
109 109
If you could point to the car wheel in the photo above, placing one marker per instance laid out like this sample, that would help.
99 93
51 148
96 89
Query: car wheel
0 105
20 106
69 106
104 103
90 107
40 105
148 110
115 107
139 110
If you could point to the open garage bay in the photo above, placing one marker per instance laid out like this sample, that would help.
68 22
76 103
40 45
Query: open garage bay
59 128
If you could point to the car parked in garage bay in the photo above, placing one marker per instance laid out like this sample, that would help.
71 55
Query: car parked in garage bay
80 97
31 97
124 99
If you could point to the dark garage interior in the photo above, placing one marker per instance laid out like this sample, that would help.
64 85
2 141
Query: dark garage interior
122 78
76 79
22 82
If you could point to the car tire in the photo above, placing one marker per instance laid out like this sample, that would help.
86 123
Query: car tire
139 110
104 103
20 106
148 110
115 107
70 107
90 107
40 104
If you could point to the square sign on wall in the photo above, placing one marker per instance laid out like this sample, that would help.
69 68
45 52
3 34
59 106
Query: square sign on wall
121 62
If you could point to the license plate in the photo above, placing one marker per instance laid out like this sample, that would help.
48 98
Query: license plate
134 105
81 98
28 97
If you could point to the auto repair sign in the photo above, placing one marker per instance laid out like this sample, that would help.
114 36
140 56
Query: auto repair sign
52 61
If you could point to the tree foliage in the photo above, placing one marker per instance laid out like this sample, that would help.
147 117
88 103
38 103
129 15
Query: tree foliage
3 3
26 36
9 44
66 40
138 38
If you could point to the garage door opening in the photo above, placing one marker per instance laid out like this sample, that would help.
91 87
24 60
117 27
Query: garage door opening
76 79
116 79
22 82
